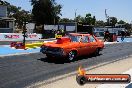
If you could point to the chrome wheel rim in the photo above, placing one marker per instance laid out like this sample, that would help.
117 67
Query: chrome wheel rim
71 56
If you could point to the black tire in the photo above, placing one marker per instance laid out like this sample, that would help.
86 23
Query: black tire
97 52
81 80
71 56
48 56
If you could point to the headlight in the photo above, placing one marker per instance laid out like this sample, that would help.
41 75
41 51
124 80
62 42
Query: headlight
62 51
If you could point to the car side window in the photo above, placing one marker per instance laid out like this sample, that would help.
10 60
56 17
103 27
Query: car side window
85 39
73 38
91 39
79 38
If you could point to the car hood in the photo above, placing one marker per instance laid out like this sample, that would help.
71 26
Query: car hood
63 45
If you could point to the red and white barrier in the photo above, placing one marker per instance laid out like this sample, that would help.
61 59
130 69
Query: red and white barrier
18 36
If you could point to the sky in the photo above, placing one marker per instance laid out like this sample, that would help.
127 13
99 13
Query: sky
121 9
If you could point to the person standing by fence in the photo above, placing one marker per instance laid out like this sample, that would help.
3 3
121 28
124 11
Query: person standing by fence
106 36
122 35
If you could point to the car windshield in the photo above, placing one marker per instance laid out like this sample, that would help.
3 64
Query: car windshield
75 38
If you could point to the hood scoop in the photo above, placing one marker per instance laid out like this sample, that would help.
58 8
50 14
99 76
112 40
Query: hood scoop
63 40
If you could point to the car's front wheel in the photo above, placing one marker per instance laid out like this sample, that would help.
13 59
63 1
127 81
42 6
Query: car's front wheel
71 56
48 56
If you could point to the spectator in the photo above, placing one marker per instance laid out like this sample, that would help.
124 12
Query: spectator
122 35
106 36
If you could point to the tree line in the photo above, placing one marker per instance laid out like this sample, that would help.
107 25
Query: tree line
49 12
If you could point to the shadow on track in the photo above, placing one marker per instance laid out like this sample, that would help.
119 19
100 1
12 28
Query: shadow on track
63 60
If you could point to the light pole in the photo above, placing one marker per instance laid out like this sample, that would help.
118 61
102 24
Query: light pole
131 28
75 21
24 32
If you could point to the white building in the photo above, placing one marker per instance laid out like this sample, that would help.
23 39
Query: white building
6 23
30 27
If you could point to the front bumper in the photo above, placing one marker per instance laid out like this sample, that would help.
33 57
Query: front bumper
52 53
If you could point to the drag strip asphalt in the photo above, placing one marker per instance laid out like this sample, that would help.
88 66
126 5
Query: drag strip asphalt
23 70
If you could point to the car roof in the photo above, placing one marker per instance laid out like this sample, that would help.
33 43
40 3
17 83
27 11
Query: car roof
79 34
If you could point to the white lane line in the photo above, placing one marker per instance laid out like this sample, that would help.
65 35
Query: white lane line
118 85
4 45
110 42
16 54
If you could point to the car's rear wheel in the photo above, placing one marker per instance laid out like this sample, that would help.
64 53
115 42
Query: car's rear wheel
71 55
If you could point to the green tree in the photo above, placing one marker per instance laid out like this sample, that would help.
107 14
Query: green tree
89 19
93 21
100 23
45 12
127 26
21 17
79 18
112 21
57 13
121 22
4 3
65 20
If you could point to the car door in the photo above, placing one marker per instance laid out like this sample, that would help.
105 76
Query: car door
85 45
93 44
76 43
81 46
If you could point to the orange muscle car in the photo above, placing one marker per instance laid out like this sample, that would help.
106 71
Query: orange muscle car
73 45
